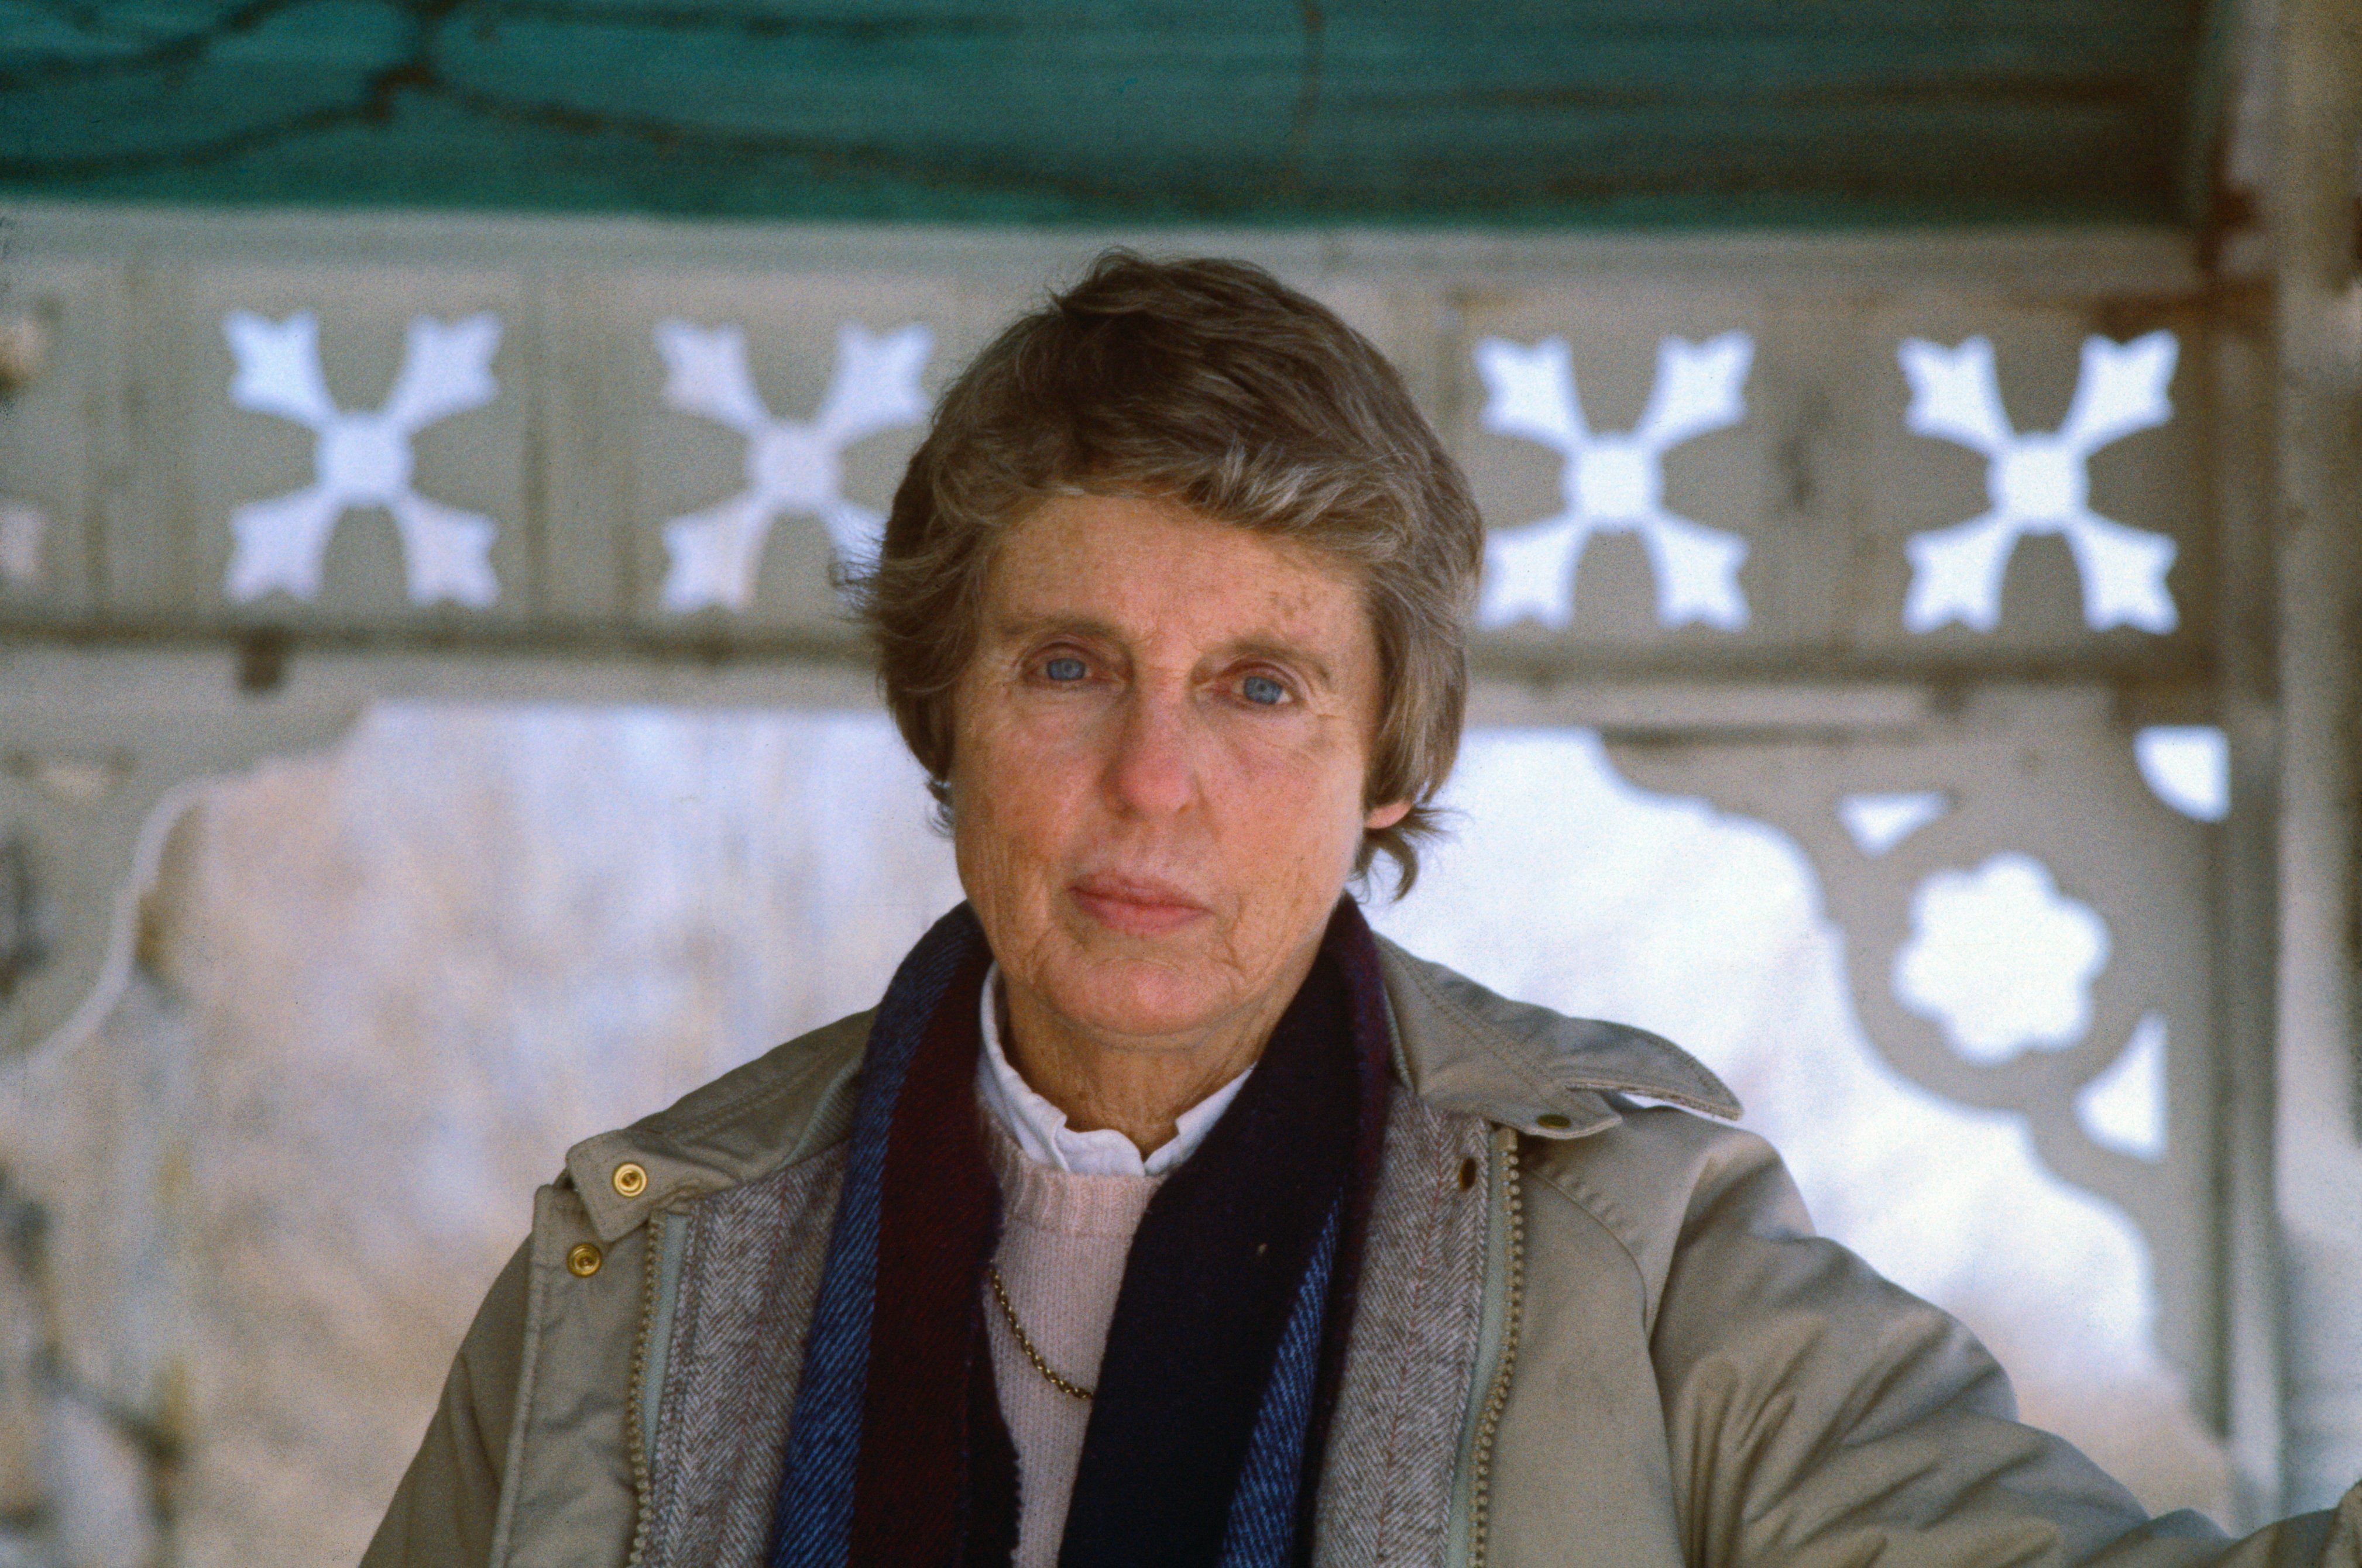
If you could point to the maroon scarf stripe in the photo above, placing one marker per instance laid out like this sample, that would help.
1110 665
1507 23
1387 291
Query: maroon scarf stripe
936 1484
939 1221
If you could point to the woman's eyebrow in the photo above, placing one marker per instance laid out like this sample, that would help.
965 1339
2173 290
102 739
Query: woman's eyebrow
1278 650
1021 628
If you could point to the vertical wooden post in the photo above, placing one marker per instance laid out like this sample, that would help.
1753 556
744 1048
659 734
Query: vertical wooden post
2247 1401
2319 1155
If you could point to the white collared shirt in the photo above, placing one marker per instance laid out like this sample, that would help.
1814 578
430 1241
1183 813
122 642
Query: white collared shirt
1039 1127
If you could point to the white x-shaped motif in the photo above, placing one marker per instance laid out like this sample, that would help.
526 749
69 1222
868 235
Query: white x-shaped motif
792 468
2039 484
361 459
1614 483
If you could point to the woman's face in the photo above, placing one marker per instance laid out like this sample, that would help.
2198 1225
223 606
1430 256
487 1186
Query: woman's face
1159 750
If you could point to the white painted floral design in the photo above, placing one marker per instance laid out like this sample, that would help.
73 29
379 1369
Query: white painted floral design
2188 766
361 459
2001 959
1614 483
2124 1108
2039 484
793 469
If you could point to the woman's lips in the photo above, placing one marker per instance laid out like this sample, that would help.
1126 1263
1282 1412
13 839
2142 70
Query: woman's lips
1135 908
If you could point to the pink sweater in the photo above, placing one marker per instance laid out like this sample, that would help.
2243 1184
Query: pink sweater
1063 1247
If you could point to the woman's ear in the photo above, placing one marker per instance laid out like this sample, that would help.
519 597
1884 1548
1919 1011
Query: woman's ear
1384 817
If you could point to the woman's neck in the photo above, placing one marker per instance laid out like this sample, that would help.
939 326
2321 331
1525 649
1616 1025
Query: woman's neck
1138 1087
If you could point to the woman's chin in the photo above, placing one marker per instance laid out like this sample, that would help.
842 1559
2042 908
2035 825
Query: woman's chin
1139 1000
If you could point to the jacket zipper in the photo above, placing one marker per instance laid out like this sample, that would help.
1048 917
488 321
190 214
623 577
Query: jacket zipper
1481 1499
634 1426
1497 1352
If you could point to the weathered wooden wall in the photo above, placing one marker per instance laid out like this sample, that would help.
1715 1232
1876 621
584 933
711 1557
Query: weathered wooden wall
1607 113
141 652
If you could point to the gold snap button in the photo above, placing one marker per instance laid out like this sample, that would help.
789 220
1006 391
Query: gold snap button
1553 1121
583 1261
630 1180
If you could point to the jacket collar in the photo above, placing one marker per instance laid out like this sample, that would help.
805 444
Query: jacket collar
1462 1048
1458 1045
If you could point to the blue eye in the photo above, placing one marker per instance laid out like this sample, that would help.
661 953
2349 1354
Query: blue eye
1262 691
1064 668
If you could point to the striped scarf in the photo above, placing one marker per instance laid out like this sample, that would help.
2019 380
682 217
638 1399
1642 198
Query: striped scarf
1227 1346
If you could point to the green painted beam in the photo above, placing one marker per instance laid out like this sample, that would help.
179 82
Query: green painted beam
1590 113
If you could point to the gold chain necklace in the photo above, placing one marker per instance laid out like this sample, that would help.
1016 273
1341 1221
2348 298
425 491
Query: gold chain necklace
1001 1294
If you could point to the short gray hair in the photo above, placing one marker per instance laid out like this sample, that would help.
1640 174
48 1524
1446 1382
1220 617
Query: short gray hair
1213 385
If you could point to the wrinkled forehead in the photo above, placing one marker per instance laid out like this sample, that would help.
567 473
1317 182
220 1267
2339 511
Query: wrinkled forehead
1133 568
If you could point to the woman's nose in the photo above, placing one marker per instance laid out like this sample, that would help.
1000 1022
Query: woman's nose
1151 772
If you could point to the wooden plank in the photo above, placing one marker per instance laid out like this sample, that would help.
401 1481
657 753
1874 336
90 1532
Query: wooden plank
586 467
1608 113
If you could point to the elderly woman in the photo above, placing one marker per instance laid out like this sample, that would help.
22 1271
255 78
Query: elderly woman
1161 1213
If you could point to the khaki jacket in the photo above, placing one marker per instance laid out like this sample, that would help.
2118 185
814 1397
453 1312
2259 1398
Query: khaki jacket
1589 1332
